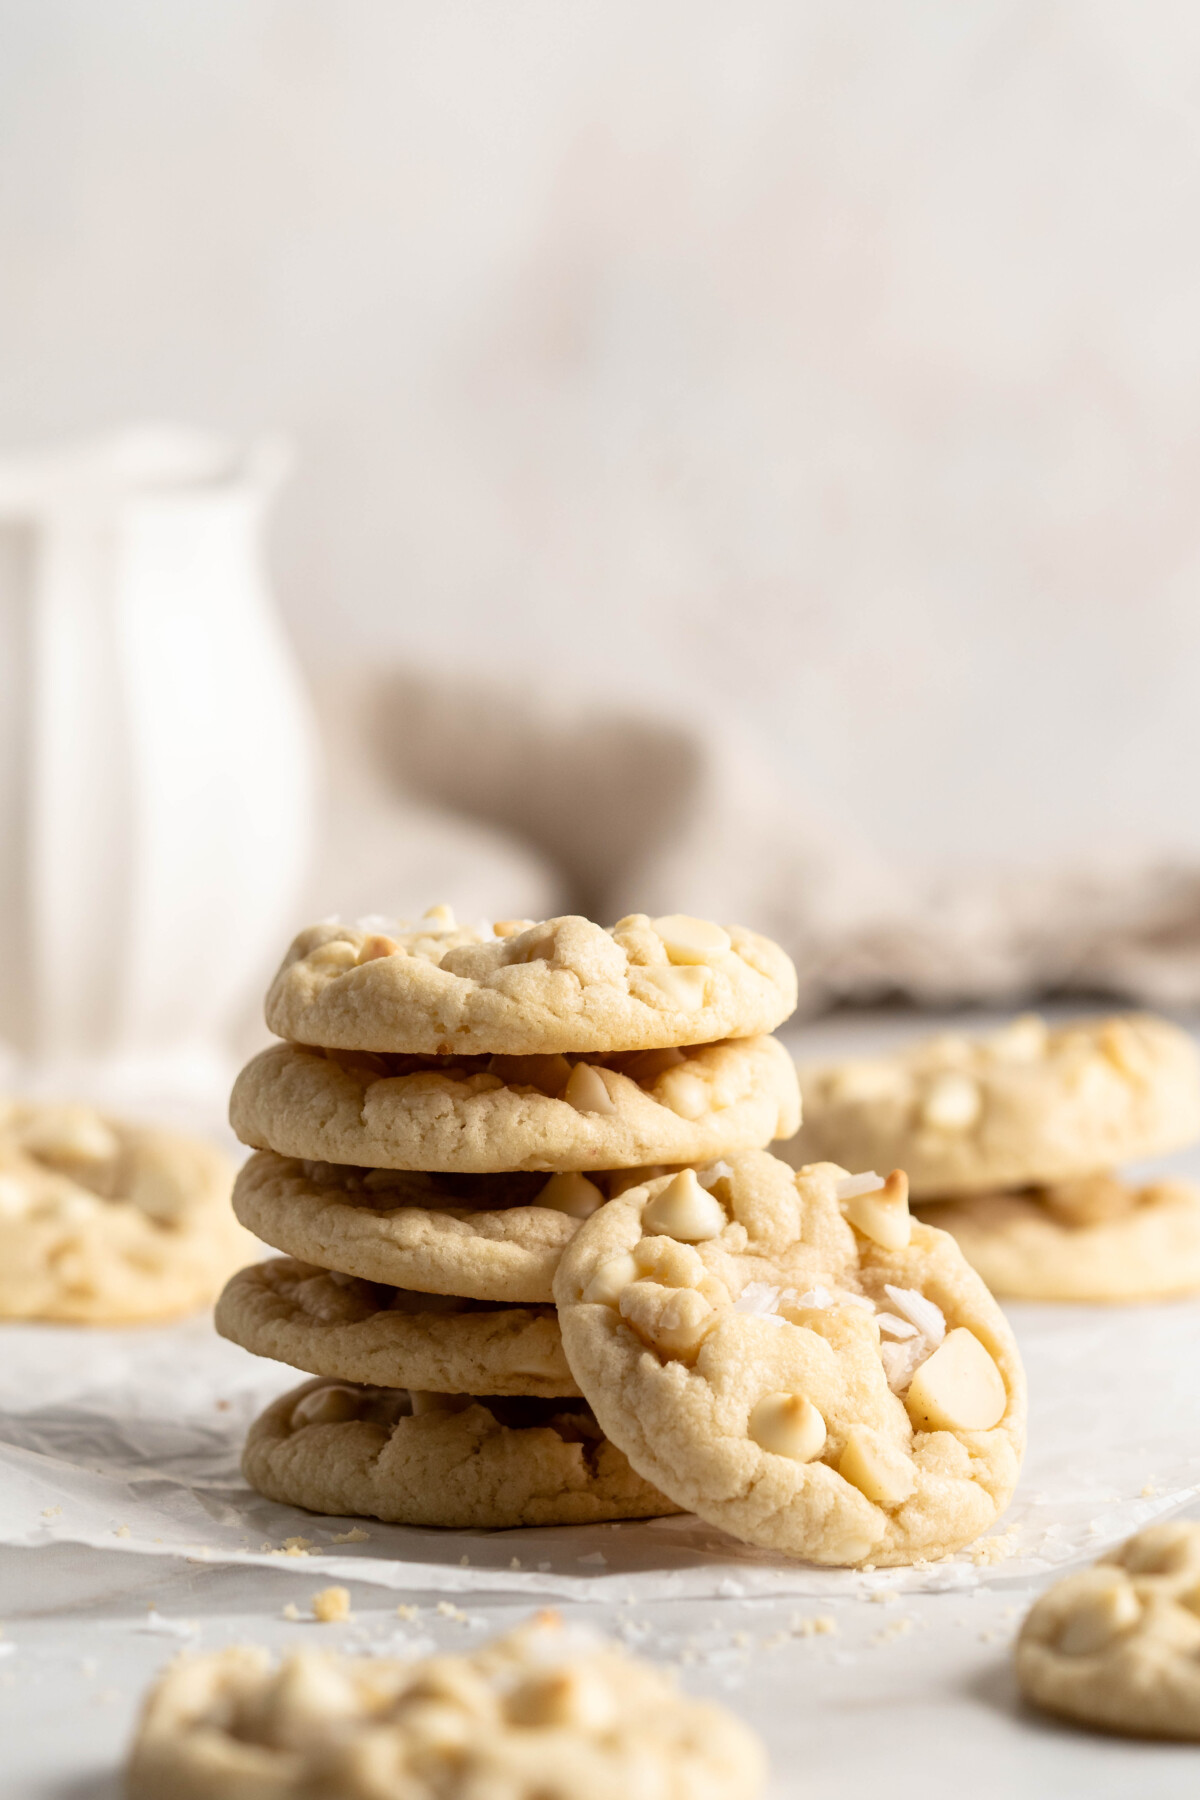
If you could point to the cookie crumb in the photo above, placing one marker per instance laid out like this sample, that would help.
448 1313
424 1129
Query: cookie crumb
896 1628
1149 1490
121 1531
404 1611
331 1606
356 1535
297 1546
822 1625
990 1550
52 1512
515 1563
291 1612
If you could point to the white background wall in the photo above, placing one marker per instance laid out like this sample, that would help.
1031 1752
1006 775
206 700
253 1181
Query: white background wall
835 365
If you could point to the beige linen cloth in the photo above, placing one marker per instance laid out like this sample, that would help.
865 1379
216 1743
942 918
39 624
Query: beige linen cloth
520 803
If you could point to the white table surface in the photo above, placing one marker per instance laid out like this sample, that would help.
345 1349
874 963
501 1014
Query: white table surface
910 1698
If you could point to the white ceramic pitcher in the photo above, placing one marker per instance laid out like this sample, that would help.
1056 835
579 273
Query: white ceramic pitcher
157 755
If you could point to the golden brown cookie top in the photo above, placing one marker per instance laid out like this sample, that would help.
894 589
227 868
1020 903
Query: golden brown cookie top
486 1114
792 1357
1027 1104
521 988
1117 1646
545 1711
103 1221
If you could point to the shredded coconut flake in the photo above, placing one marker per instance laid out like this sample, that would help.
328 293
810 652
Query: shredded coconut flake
817 1297
895 1327
758 1297
901 1361
929 1319
851 1186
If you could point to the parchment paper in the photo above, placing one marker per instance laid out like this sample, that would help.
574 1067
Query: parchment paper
129 1440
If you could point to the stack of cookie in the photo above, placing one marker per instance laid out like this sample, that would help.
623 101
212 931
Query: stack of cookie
448 1107
462 1126
1011 1140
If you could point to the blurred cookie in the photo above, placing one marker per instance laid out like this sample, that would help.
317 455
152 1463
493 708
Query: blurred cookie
546 1712
1117 1646
483 1114
1098 1238
1021 1106
794 1359
530 989
338 1325
104 1223
441 1459
488 1237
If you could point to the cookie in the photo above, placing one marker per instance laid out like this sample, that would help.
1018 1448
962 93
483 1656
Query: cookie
486 1114
546 1712
103 1223
1023 1106
1098 1238
790 1356
486 1237
530 989
1117 1646
354 1330
441 1459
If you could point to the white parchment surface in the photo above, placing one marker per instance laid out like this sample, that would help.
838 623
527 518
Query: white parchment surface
130 1440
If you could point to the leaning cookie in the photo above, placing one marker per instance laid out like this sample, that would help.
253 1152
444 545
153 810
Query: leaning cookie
1098 1239
530 989
1117 1646
546 1712
104 1223
441 1459
353 1330
487 1114
486 1237
1024 1105
789 1356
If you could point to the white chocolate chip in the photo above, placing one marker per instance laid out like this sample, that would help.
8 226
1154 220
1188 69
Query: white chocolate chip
14 1198
958 1388
69 1135
575 1698
952 1102
572 1194
788 1425
717 1171
1099 1617
688 940
506 928
682 988
1022 1040
684 1093
586 1092
327 1406
883 1214
610 1280
675 1321
377 946
879 1470
666 1260
338 954
685 1211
